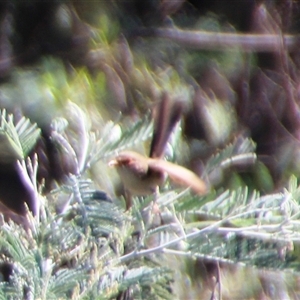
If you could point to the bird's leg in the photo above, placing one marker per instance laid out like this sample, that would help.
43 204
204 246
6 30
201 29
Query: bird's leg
154 206
155 215
151 211
128 200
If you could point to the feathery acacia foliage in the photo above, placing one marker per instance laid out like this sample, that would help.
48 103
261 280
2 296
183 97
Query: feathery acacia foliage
239 130
83 244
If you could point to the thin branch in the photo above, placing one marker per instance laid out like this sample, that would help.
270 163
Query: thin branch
255 234
26 174
64 143
135 254
216 226
205 257
220 41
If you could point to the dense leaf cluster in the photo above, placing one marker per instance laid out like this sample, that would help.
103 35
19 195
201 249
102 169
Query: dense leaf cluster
79 85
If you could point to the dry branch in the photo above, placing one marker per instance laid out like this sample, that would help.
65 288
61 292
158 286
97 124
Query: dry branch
204 40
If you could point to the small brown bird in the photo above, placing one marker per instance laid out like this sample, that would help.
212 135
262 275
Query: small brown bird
142 175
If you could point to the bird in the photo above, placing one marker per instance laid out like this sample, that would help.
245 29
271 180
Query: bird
142 175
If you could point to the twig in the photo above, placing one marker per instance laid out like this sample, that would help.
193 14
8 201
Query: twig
27 175
205 257
160 248
221 41
216 226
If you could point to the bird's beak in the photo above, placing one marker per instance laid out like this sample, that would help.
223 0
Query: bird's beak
112 163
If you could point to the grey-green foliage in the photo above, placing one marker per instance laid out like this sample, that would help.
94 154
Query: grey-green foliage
87 247
235 226
239 225
73 255
17 140
114 139
73 251
245 226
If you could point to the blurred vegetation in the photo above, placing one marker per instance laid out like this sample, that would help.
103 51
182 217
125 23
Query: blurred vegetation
79 81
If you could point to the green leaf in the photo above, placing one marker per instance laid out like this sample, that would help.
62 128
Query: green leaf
28 134
113 139
16 141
